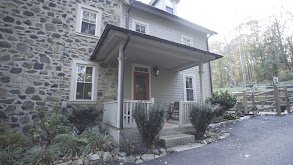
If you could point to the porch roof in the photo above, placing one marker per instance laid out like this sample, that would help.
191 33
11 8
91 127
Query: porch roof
148 50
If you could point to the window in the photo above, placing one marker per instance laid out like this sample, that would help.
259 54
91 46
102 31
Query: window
88 20
140 27
83 81
169 10
189 90
186 41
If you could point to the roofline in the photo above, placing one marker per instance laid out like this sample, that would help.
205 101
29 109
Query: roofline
110 27
173 17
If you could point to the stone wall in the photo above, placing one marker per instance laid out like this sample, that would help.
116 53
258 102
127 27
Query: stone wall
38 43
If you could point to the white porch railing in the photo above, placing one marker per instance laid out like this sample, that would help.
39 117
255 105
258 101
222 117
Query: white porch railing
184 112
112 112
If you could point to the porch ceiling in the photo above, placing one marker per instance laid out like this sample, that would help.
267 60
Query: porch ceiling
148 50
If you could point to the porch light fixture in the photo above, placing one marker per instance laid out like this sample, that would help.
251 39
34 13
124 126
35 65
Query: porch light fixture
156 71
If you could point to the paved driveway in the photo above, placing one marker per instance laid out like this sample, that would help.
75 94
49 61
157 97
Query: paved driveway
260 140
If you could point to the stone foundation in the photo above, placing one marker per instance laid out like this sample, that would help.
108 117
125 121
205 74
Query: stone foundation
38 43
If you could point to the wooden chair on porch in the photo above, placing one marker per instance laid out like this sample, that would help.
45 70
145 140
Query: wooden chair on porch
173 111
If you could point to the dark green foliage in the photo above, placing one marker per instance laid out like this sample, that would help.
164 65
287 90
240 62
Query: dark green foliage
230 116
89 141
45 130
38 155
149 123
10 139
224 99
98 141
83 118
201 116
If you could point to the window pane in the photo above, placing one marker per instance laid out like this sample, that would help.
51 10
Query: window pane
190 83
92 29
88 91
169 10
137 28
186 83
80 73
189 93
79 90
89 72
92 17
84 27
142 29
85 16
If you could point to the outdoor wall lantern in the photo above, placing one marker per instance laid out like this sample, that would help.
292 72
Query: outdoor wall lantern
156 71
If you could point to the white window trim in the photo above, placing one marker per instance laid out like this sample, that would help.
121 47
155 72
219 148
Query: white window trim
193 83
80 9
132 78
134 21
189 38
73 82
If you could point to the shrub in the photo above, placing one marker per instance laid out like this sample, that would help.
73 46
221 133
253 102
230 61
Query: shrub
224 99
285 75
83 118
41 155
230 116
98 141
201 116
149 123
47 128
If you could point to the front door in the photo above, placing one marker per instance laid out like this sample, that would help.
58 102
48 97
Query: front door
141 86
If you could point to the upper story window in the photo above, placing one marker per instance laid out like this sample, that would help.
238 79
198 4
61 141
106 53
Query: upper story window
140 26
88 20
169 10
83 81
186 40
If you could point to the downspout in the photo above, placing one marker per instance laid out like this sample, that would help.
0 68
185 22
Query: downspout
207 42
122 80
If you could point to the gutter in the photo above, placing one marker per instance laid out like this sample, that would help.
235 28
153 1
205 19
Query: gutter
122 80
210 72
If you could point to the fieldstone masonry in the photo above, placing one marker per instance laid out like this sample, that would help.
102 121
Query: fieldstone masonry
38 43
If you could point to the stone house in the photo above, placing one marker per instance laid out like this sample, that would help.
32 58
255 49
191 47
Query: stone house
70 51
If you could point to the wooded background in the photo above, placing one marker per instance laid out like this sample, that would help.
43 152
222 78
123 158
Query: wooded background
254 52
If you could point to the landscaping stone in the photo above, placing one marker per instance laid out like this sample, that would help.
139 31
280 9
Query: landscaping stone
147 157
209 140
170 150
163 152
156 151
93 157
77 162
107 156
139 161
129 159
123 154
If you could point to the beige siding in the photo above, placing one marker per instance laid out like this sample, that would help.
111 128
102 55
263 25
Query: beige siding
165 29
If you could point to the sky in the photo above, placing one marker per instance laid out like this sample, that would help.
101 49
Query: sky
223 16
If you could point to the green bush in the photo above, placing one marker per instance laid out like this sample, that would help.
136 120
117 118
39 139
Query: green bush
285 75
224 99
230 116
98 141
48 127
149 123
83 118
201 116
38 155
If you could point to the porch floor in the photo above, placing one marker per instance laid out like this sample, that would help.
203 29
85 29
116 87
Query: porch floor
171 124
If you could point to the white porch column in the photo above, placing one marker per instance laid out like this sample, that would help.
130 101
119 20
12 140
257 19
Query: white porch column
181 113
119 81
201 80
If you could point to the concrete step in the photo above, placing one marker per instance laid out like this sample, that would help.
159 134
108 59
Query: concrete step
176 130
176 139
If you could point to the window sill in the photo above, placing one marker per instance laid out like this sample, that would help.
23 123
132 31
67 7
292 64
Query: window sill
83 102
86 35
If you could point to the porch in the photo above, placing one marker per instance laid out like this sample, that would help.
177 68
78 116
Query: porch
183 75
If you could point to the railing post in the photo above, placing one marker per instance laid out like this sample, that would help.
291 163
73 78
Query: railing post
245 102
153 100
277 99
287 99
181 113
253 103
